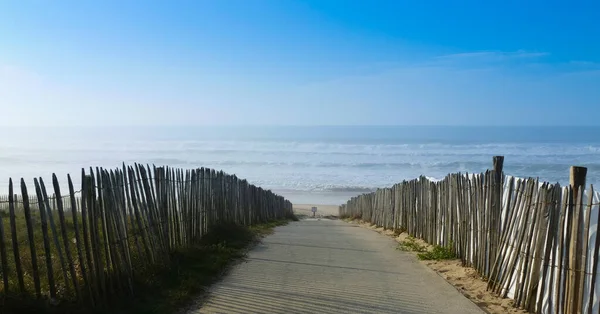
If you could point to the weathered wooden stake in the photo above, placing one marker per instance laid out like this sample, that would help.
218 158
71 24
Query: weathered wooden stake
577 181
15 241
3 258
498 165
577 178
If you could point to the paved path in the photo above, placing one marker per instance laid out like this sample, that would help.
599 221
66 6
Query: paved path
328 266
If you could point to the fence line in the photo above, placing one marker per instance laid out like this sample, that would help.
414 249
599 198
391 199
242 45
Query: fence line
87 245
534 242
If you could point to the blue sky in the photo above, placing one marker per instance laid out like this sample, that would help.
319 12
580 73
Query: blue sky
319 62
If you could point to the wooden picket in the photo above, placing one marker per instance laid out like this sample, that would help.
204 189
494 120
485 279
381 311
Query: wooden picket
89 240
530 240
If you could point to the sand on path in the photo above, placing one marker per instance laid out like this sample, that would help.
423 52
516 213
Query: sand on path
329 266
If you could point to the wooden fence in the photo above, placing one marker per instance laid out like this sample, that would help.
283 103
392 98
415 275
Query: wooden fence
534 242
87 245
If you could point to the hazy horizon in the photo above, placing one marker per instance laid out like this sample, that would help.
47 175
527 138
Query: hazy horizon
325 165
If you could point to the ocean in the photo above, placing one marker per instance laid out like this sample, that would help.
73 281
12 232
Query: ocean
308 164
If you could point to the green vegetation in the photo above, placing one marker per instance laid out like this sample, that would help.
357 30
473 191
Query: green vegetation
25 256
299 216
399 231
192 270
162 288
293 217
410 245
437 253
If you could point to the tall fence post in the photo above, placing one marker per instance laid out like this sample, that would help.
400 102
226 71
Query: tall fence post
577 181
508 231
577 178
161 208
498 165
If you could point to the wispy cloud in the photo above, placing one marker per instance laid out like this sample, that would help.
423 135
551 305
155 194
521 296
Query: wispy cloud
493 55
525 62
587 64
487 59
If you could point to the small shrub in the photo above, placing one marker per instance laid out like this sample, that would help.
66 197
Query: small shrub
399 231
221 247
411 245
438 253
300 216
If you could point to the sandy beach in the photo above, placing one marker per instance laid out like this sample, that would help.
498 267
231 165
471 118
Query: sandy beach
322 210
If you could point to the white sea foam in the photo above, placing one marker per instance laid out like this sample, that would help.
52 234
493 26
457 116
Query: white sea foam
348 164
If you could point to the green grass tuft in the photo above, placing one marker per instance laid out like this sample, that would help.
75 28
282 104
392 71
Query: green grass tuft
438 253
410 245
293 217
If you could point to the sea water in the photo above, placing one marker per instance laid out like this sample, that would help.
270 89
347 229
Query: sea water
307 164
